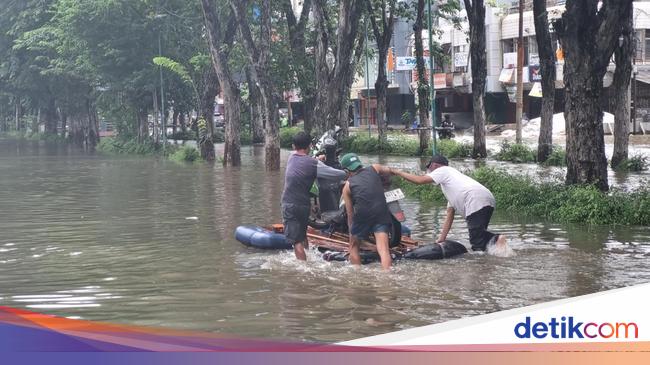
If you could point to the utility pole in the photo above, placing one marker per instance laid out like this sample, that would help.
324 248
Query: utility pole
432 93
520 68
367 85
162 96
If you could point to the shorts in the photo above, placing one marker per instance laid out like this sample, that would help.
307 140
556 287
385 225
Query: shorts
362 230
295 219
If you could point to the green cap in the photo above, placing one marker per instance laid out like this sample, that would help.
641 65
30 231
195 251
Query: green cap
351 162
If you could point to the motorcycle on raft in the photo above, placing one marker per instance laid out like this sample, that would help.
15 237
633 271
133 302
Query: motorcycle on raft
329 212
329 217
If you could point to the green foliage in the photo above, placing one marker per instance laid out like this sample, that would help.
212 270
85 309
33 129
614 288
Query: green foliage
246 139
514 152
286 136
118 146
556 158
188 135
638 162
174 67
522 195
185 154
452 149
404 146
33 136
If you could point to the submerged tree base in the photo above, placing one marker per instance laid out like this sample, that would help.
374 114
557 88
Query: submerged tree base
553 201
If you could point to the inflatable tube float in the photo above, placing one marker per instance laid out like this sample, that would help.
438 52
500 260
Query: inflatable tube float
259 237
436 251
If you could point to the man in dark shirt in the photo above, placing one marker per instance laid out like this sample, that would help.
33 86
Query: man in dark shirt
302 170
366 208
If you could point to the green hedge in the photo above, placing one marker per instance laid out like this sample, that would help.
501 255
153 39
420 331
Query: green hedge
404 146
185 154
514 152
286 136
554 201
117 146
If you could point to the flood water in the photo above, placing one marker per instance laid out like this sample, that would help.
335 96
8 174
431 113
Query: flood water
148 242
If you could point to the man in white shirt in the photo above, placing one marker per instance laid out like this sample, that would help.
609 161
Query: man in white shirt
465 196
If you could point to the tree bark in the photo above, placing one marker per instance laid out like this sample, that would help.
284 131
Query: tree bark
209 92
175 121
589 35
51 117
303 68
259 55
333 83
257 114
423 83
383 35
476 19
18 113
547 70
220 43
620 100
143 124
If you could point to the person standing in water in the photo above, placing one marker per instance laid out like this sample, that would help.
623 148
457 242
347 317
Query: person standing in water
465 196
301 172
366 208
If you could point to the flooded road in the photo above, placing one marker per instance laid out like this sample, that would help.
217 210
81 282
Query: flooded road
148 242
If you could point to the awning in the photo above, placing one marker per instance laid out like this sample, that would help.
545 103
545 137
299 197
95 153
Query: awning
643 76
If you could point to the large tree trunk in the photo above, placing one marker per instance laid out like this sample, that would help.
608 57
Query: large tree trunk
303 68
156 115
383 31
220 45
51 117
143 124
423 84
208 95
257 108
64 123
333 83
92 129
175 121
476 19
259 55
620 95
589 35
547 69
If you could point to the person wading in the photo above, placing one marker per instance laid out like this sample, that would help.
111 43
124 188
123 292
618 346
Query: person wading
465 196
302 170
366 208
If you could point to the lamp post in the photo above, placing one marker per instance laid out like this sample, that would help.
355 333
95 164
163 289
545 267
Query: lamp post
367 85
432 93
162 87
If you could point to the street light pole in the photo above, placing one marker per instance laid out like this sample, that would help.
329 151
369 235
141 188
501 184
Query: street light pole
520 77
162 95
432 93
367 85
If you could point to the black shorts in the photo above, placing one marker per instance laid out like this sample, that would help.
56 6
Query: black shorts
295 219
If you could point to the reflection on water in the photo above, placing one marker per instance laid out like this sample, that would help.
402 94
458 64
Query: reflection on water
109 239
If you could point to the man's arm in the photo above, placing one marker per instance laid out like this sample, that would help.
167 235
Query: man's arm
326 172
416 179
349 209
449 220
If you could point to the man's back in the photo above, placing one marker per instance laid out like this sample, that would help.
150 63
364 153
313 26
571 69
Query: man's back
367 193
465 194
299 177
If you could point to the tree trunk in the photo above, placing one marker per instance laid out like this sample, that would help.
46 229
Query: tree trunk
156 115
259 55
476 19
620 100
92 128
18 113
181 122
423 83
220 45
208 95
63 115
175 121
332 84
143 125
257 114
547 70
308 106
589 35
51 117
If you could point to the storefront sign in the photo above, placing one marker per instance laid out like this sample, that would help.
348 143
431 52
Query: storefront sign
460 59
534 74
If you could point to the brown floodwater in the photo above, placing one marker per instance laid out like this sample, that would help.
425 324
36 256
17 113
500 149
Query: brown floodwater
148 242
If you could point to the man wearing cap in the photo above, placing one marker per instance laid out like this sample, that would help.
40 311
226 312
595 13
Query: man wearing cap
299 177
366 208
465 196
